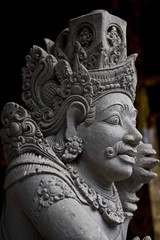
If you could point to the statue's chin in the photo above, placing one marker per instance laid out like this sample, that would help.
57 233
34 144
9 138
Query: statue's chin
119 168
122 175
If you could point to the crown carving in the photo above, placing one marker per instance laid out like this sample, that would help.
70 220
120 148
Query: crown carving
86 61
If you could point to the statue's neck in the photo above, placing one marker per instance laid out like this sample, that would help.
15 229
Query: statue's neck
103 188
104 198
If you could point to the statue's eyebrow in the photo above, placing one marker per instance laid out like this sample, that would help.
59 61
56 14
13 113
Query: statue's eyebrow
114 105
129 109
124 108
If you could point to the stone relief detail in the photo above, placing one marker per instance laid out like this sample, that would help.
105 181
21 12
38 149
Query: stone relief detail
114 36
58 84
98 56
21 133
29 164
49 192
49 84
52 191
73 147
115 40
85 36
109 207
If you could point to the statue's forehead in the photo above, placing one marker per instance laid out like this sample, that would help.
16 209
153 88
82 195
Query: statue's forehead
115 101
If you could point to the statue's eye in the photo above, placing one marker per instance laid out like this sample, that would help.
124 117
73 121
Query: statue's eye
115 120
134 122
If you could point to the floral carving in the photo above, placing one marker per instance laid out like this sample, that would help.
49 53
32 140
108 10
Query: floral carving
73 147
85 36
114 36
20 132
115 40
109 207
52 191
51 84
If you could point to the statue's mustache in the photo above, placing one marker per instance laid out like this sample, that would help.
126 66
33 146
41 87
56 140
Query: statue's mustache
119 148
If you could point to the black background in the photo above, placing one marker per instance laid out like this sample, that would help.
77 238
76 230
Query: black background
28 22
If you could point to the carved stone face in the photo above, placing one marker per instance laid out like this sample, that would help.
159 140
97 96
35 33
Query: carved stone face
110 142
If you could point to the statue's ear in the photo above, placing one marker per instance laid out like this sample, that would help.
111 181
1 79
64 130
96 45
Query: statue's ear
76 114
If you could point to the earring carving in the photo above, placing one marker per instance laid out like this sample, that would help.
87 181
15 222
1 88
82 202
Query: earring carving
73 147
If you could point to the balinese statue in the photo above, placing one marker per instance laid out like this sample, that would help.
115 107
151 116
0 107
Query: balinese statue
75 157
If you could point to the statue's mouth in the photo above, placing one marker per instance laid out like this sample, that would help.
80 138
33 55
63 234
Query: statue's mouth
124 151
127 158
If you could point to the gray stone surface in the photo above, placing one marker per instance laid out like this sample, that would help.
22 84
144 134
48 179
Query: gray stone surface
75 157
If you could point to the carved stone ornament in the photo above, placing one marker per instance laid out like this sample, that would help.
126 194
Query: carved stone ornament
109 206
74 155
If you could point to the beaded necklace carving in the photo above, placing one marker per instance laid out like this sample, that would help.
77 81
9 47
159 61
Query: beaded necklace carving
109 207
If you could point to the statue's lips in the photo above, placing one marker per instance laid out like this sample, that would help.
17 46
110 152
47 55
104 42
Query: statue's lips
127 158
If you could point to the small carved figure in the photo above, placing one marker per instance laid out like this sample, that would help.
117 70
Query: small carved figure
75 157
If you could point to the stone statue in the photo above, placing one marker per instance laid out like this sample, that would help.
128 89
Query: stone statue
75 157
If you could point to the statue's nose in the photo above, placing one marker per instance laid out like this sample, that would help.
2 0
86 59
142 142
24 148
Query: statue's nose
133 136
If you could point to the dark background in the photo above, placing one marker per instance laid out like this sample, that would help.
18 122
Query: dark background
27 23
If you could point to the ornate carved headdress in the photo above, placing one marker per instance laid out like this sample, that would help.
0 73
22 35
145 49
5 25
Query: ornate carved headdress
85 62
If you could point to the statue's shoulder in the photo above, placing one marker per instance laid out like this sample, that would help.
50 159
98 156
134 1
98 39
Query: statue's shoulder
27 151
29 154
21 134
